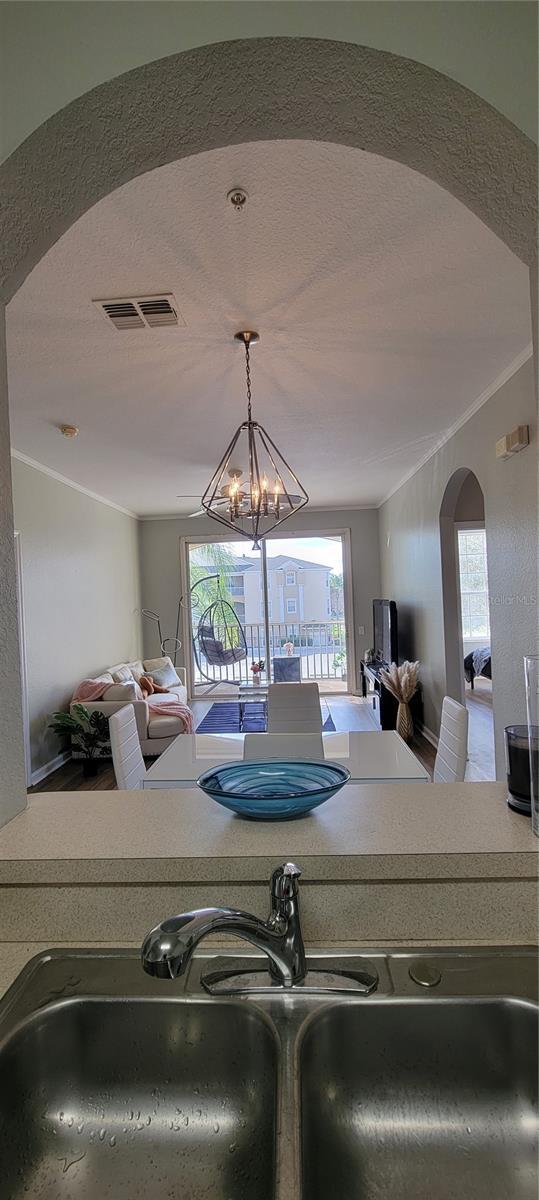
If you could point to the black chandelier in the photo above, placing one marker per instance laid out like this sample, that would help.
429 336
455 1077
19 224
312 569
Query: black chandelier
253 489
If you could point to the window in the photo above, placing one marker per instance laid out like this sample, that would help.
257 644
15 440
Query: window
291 607
472 548
291 581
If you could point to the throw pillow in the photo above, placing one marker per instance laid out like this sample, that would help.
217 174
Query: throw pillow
123 675
161 671
136 669
123 691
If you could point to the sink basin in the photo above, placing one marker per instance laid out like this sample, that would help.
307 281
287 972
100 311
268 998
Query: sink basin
420 1099
115 1085
130 1098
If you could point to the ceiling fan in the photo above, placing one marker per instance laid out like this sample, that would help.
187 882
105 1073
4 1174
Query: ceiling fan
237 489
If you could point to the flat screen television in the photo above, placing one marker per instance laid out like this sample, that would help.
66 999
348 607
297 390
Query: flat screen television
385 631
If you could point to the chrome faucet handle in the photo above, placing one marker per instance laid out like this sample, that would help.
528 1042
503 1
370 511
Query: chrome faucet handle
284 882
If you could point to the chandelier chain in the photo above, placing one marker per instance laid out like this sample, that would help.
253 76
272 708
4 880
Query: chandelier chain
248 378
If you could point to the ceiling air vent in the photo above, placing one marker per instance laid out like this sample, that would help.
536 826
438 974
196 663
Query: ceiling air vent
141 312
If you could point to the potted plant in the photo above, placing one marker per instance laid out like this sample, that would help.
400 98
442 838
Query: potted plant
89 733
339 662
257 668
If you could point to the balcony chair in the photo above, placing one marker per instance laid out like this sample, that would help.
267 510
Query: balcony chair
226 650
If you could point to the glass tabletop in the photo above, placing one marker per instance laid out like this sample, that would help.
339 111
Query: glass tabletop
369 756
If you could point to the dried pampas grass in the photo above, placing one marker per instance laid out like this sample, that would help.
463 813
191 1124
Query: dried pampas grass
401 681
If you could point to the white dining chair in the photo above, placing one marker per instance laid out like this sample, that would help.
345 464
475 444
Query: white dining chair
127 757
261 746
294 708
450 763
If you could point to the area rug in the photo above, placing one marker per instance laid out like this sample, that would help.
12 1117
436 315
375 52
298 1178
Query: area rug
225 718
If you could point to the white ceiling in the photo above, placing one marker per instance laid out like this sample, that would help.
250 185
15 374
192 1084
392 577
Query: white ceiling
385 310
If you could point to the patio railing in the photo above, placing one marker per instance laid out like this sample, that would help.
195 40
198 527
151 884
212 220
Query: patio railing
320 645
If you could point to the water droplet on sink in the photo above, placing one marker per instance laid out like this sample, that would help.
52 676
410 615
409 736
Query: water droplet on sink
102 1135
233 1147
112 1141
216 1127
70 1162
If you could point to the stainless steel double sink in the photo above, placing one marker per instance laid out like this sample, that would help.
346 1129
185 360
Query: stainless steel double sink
117 1086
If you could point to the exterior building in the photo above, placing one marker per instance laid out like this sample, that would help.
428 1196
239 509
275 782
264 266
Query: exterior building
298 591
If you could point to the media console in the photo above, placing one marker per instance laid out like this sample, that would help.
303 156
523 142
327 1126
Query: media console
383 702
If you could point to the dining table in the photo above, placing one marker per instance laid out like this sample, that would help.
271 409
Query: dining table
377 756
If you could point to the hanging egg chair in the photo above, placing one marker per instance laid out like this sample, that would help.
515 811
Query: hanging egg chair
219 639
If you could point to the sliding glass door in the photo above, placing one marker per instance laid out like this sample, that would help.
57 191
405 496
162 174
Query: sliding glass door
226 609
284 606
307 625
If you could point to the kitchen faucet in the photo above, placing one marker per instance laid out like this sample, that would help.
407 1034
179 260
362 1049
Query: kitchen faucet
167 949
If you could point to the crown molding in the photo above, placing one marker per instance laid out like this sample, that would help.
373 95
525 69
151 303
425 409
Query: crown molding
478 403
77 487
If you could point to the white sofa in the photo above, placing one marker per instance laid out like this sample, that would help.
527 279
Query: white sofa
155 732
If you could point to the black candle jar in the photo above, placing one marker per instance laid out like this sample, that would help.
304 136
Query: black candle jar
517 762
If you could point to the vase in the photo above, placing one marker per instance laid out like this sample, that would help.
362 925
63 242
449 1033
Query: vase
531 675
405 725
89 768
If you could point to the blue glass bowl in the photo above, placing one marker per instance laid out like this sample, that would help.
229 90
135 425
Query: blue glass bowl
276 790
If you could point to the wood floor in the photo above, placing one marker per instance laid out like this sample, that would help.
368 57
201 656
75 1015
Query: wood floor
481 761
348 712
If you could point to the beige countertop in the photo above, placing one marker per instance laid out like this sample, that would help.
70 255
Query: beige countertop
381 863
366 831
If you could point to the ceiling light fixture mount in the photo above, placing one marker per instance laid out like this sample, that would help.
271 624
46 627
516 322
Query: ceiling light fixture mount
69 431
256 497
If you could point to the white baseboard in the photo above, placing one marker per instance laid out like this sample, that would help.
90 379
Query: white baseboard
48 768
430 736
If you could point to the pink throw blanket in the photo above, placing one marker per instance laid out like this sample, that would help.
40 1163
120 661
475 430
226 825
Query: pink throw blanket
91 690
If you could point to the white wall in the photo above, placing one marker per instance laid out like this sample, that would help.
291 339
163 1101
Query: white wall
411 562
80 589
53 52
160 564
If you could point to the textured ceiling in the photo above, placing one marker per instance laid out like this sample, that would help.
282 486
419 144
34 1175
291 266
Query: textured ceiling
385 309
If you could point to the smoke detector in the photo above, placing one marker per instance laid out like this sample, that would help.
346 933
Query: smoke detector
238 198
141 312
69 431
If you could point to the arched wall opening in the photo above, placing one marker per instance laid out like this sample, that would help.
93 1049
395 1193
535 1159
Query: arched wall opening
224 94
463 526
463 500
